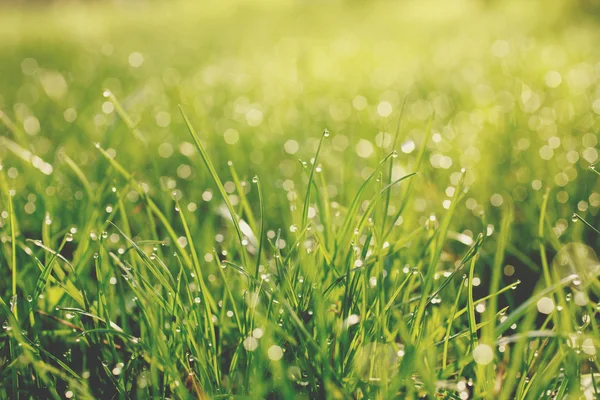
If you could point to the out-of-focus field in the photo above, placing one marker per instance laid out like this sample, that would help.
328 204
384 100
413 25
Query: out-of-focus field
494 104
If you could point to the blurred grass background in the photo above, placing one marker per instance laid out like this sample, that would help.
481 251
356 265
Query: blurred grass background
511 87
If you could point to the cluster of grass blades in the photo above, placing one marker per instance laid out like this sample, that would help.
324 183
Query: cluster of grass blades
344 311
352 306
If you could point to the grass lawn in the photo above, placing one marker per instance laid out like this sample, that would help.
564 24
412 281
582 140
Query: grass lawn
299 199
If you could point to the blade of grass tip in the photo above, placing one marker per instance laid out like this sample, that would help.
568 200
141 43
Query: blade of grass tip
262 224
472 252
325 213
580 218
215 177
417 168
375 199
515 315
13 245
124 116
122 171
229 293
471 307
243 198
543 257
352 209
46 240
322 203
310 179
391 167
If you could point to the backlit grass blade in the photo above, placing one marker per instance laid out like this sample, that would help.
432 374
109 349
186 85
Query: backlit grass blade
315 162
523 308
13 245
210 328
123 114
215 177
417 168
261 233
391 167
436 253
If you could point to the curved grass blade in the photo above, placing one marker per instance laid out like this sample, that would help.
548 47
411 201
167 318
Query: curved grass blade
215 177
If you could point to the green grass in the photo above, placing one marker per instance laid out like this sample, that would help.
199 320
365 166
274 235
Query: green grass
285 200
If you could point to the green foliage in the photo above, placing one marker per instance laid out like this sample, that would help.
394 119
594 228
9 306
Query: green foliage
285 200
